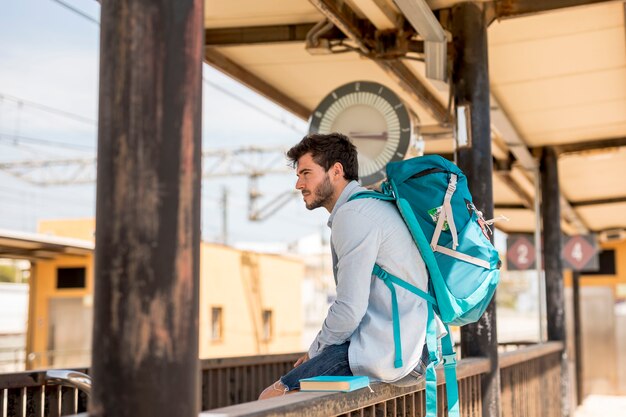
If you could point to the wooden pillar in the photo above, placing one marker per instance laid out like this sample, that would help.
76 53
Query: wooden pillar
470 79
145 342
553 264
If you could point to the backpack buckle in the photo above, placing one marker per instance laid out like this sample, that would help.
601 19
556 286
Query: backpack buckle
449 360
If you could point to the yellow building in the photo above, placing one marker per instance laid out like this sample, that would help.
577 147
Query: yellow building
250 303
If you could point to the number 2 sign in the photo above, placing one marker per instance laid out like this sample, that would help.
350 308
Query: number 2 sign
520 253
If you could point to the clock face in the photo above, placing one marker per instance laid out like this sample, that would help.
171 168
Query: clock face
374 119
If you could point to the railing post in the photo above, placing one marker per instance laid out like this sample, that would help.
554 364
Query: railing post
145 344
553 264
470 81
578 345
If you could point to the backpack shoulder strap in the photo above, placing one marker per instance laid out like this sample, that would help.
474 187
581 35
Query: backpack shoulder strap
447 348
371 194
449 366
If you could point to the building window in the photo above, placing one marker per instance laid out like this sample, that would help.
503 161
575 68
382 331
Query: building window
268 330
70 277
217 328
607 264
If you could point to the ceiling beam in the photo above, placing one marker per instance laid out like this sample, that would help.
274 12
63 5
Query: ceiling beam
343 17
409 82
511 207
254 35
346 20
515 8
590 146
612 200
506 177
236 71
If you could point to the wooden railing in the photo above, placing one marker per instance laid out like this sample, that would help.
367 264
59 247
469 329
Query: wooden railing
530 381
385 400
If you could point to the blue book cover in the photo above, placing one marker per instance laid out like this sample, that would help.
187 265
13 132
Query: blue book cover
334 383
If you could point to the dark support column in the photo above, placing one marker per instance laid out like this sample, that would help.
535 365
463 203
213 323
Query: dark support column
145 340
553 265
470 79
578 348
551 213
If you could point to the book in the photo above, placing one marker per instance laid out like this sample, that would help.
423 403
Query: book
334 383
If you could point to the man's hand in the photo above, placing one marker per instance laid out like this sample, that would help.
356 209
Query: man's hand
301 360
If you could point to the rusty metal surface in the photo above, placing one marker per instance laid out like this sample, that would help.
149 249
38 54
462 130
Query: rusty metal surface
145 344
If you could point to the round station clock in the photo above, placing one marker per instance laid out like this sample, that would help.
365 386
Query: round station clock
374 119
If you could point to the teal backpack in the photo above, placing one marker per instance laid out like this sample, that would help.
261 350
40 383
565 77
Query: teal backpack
432 196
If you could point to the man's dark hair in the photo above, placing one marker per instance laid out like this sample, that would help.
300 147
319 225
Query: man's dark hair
326 150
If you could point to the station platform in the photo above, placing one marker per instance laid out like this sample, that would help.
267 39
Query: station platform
602 406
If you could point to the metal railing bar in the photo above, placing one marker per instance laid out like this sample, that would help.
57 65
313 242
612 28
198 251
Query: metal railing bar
216 363
68 378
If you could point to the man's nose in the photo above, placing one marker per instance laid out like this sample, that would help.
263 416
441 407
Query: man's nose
299 184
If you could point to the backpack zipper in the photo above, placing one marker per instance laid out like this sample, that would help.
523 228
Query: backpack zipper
428 172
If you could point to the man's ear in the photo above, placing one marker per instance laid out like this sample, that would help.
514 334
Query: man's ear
337 170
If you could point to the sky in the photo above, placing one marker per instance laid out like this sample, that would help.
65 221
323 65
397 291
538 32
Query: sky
48 110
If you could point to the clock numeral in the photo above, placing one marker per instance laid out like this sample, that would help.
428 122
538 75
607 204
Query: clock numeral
397 106
399 154
357 86
380 90
406 129
334 95
318 114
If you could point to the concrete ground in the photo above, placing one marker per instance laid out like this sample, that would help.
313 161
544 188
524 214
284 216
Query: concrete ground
602 406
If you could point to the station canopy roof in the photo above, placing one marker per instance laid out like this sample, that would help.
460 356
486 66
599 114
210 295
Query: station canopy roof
557 74
38 246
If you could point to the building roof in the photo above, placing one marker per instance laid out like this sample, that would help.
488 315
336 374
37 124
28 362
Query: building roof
35 246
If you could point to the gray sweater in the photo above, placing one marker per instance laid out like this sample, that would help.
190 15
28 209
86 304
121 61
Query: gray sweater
365 232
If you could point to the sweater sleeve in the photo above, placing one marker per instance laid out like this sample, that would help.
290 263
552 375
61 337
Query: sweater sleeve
356 240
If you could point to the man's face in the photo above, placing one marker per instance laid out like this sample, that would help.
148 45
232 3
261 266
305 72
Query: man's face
314 183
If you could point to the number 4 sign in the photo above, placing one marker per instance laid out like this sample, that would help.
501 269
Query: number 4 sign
580 253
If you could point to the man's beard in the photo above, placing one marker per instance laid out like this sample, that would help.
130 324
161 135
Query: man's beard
323 194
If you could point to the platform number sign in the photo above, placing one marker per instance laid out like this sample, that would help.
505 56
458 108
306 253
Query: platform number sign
520 252
580 253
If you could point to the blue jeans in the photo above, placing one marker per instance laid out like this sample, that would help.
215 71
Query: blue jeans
333 360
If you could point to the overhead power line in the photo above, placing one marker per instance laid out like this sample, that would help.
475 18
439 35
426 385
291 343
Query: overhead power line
77 11
252 106
19 139
49 109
